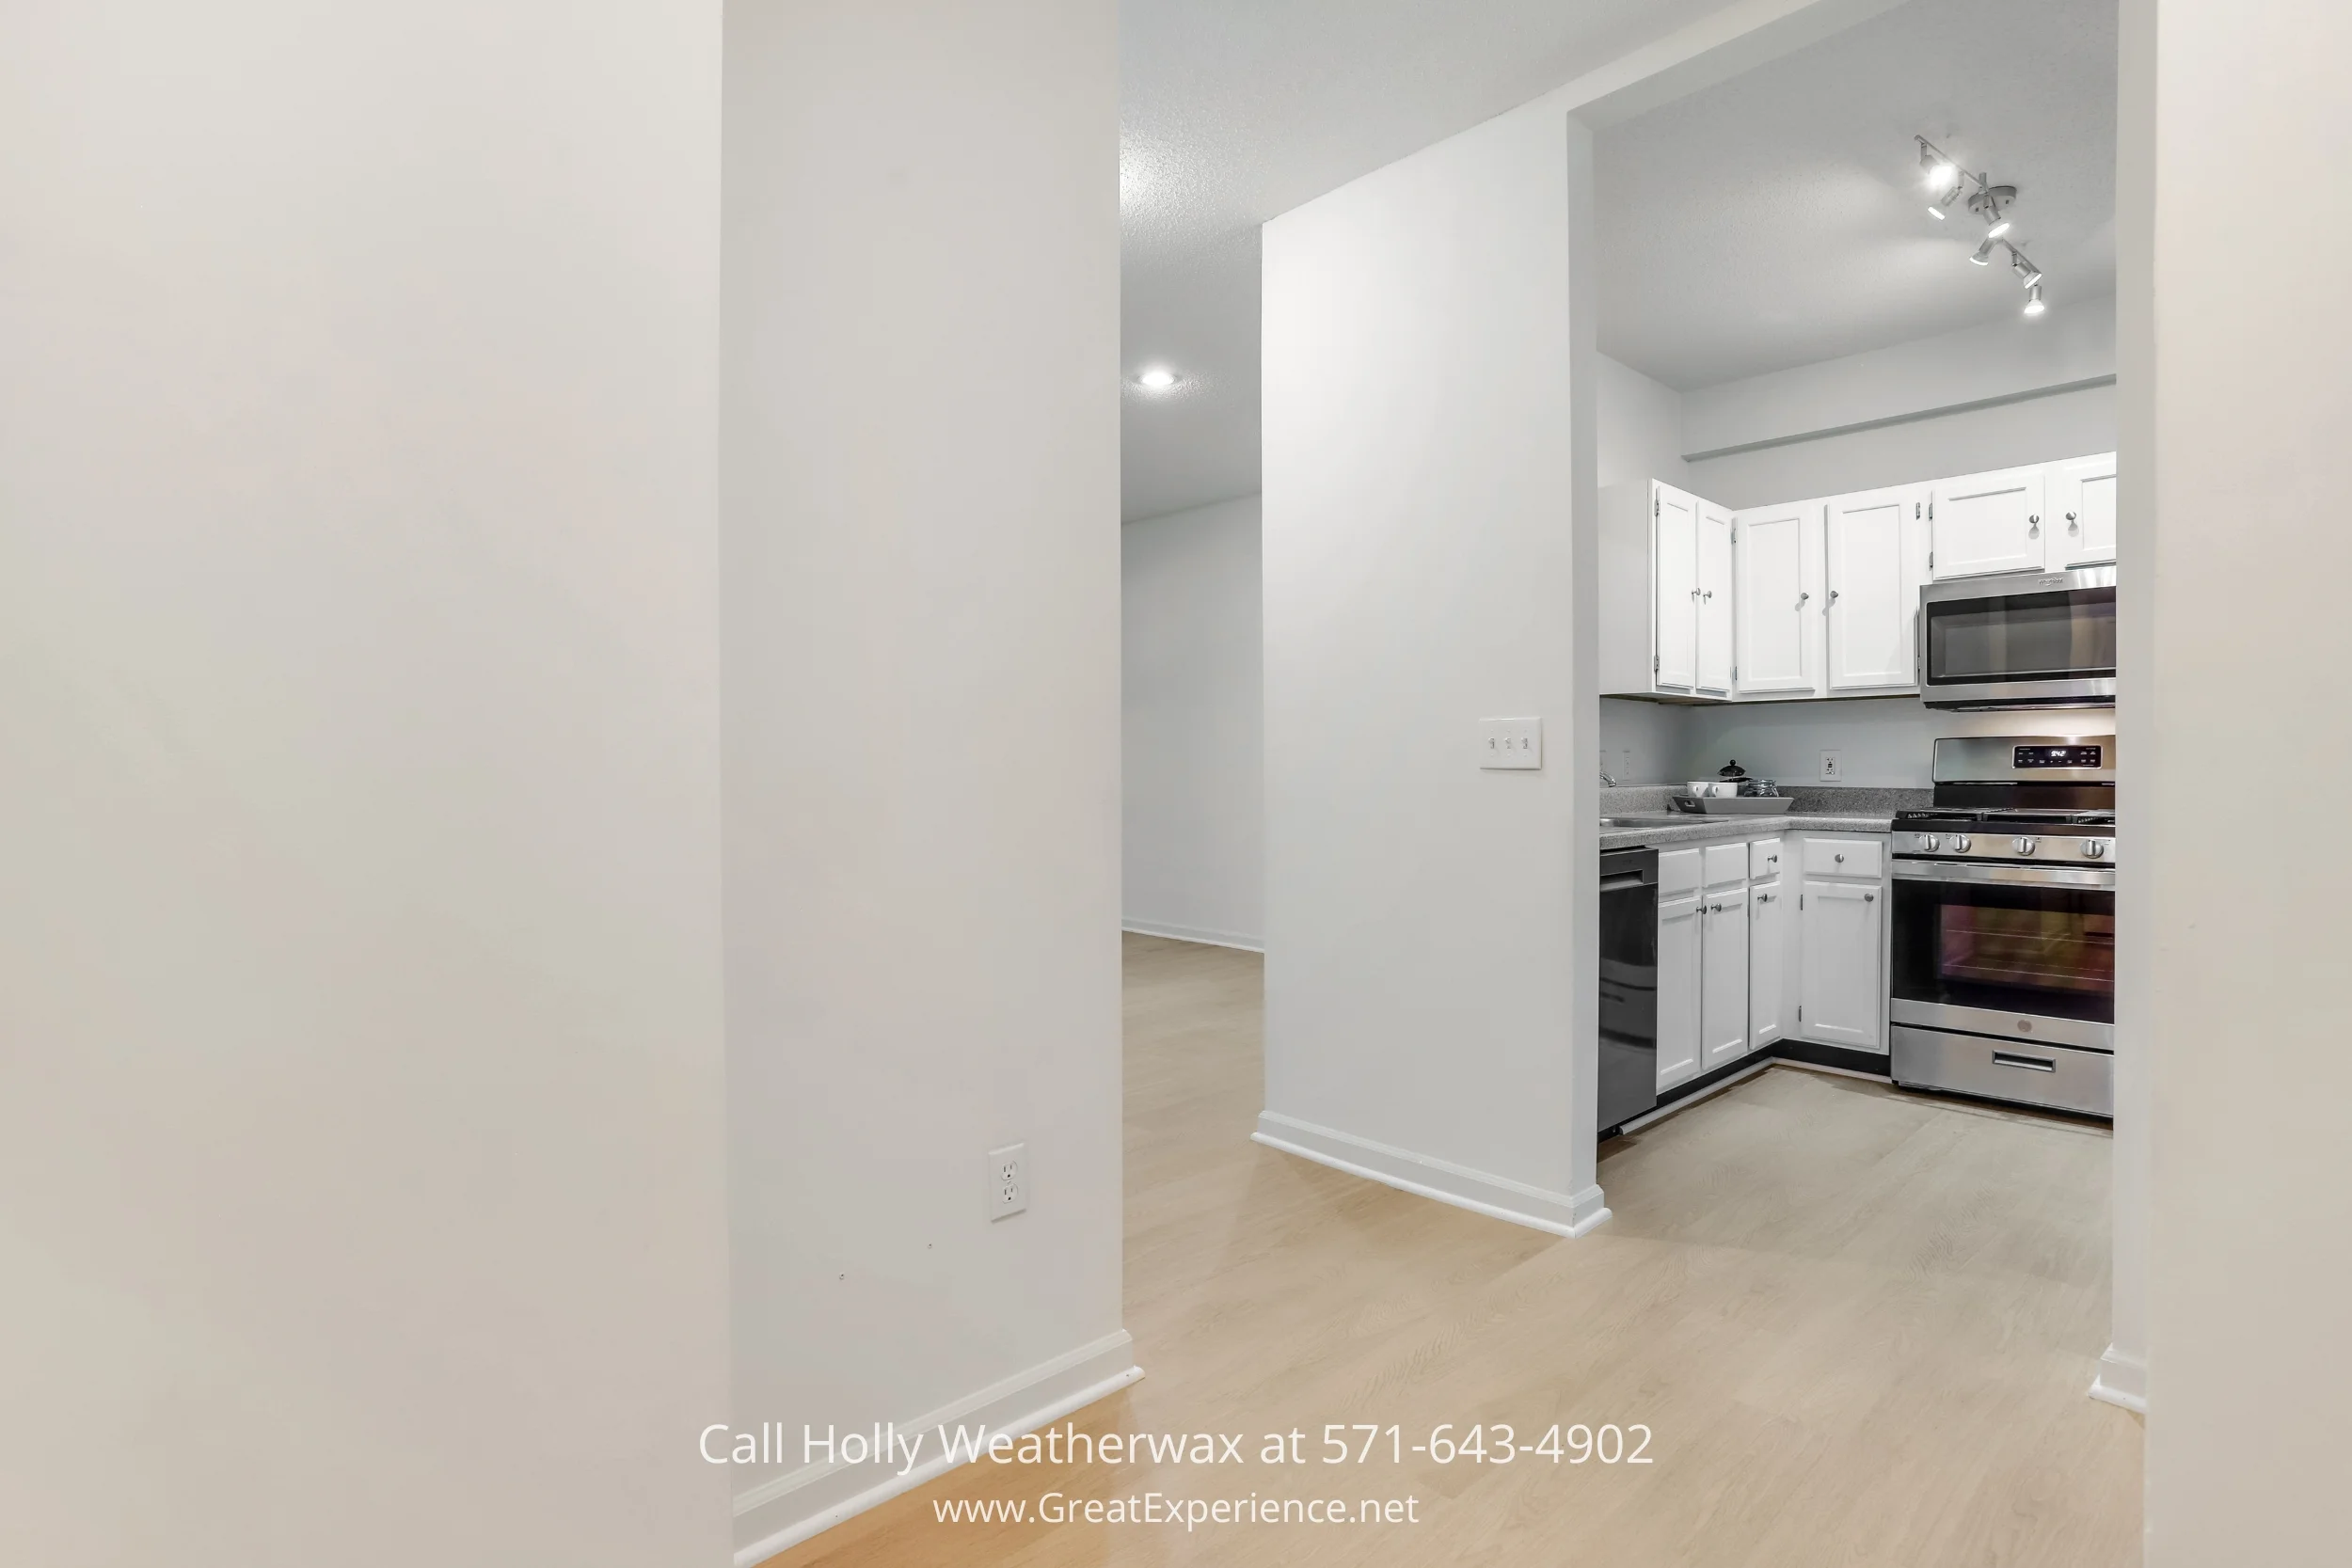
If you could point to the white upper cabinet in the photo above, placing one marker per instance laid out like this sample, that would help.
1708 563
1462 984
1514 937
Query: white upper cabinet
1820 598
1715 600
1982 523
1872 543
2081 525
1677 518
1778 592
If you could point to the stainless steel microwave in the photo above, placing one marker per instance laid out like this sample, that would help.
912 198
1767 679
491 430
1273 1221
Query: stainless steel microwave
2019 640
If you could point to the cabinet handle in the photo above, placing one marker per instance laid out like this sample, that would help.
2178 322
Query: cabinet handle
2071 527
1833 595
1802 597
1869 897
2033 526
1840 858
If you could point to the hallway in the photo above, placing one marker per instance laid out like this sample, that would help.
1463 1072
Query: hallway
1859 1325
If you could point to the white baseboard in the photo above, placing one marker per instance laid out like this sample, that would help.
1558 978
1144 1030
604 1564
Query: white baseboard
1194 933
789 1509
1538 1207
2122 1380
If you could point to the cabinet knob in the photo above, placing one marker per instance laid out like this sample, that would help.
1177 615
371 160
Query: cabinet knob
2033 526
1840 858
2071 527
1802 597
1869 897
1833 595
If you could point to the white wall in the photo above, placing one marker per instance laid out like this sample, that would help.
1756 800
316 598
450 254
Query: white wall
2043 430
2017 357
1643 743
922 672
360 1177
2250 1368
1639 426
1428 422
1193 724
1882 742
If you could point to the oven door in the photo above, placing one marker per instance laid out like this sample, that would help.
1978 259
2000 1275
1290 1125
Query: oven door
2037 640
2017 952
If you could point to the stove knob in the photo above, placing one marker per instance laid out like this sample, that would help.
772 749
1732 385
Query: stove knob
1929 843
1959 843
2024 846
2095 848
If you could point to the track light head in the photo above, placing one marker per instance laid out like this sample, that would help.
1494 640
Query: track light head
1983 257
2027 273
1998 230
2033 300
1941 172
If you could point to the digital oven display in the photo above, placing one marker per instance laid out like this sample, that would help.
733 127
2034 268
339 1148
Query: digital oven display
2057 756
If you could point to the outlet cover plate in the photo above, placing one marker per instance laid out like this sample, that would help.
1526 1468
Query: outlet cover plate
1008 1180
1833 767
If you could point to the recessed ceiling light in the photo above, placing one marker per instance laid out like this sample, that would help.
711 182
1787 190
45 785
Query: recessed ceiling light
1159 378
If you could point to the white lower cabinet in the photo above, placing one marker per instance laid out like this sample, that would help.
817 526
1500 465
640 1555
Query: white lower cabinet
1723 969
1768 939
1679 921
1768 963
1841 998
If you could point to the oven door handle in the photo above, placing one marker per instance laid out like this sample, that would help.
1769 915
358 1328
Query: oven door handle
2031 876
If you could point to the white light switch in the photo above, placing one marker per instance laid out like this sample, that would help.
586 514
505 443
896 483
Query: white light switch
1510 743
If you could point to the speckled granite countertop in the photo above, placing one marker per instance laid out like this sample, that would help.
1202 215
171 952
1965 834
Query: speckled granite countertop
1818 809
1664 834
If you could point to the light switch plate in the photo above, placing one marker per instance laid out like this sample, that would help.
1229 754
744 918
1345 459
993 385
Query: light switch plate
1510 743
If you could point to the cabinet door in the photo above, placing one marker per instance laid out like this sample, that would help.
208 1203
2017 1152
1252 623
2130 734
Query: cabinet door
1678 943
1768 963
1873 576
1675 524
1776 553
1723 992
1839 993
1986 523
2082 511
1716 600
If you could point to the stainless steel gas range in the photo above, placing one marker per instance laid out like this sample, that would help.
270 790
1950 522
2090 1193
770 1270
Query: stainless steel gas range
2002 975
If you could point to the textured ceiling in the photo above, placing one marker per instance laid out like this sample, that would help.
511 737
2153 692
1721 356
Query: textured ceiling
1234 111
1777 219
1763 222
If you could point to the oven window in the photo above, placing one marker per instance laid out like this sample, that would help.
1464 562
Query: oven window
2068 635
2011 947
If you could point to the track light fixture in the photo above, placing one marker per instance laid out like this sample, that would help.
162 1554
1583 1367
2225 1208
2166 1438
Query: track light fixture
1948 182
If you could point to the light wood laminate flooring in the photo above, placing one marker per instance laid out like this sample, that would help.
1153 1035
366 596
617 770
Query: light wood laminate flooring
1858 1324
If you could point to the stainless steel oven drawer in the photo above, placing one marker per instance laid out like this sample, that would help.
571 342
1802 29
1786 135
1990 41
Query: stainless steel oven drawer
2057 1076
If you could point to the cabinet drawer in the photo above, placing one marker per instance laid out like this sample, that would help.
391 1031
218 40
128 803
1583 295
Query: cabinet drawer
1845 857
1764 858
1726 863
1677 872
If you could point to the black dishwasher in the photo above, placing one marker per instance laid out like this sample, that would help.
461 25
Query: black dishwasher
1628 986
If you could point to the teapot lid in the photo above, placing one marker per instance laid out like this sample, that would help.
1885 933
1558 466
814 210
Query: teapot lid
1731 771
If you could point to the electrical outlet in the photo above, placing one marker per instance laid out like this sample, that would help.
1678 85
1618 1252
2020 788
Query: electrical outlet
1008 1180
1833 767
1510 743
